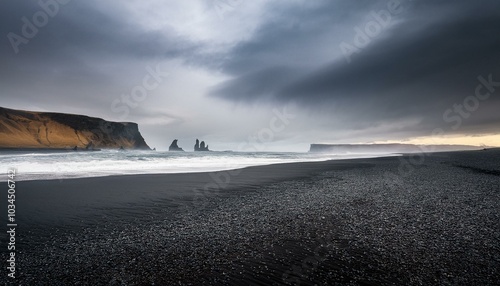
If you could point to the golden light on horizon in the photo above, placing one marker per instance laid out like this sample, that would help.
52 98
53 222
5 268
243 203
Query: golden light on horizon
479 140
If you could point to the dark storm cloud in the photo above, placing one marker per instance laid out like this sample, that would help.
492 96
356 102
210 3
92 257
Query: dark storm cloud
83 56
80 28
292 31
423 64
269 80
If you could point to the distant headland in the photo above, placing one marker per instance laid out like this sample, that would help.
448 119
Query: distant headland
21 129
387 148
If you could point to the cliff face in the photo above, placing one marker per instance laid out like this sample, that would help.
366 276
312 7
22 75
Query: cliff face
26 129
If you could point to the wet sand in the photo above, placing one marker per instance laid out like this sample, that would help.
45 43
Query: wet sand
415 220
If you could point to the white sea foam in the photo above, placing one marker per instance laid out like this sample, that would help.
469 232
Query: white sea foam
59 165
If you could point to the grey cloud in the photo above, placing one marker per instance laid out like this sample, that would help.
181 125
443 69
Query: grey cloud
421 66
261 84
292 34
79 29
83 56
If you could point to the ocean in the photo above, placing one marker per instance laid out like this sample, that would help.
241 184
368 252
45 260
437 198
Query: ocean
64 165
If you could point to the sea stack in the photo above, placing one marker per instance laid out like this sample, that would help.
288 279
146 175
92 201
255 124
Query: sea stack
174 146
200 146
197 145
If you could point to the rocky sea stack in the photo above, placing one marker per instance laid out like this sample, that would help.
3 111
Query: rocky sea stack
200 146
47 130
174 146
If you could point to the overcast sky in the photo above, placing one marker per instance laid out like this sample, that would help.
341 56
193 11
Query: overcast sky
275 75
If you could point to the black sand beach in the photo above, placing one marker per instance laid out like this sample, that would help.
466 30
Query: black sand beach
415 220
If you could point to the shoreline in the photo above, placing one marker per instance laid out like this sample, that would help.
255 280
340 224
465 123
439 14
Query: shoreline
225 168
236 169
63 196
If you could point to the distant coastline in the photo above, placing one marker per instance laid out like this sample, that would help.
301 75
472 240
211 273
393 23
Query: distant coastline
388 148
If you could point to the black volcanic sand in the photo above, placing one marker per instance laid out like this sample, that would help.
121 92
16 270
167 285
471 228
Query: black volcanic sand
431 220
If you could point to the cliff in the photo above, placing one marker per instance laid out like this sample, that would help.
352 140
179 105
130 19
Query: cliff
387 148
27 129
